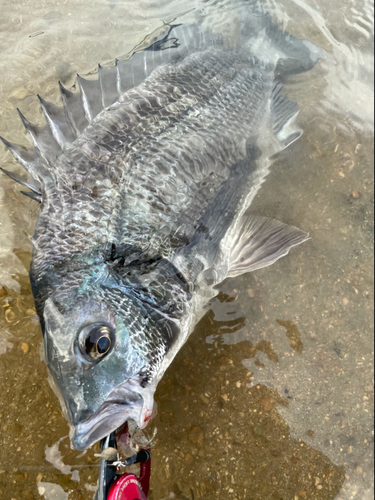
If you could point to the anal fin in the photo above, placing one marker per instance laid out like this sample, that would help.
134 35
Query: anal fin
261 242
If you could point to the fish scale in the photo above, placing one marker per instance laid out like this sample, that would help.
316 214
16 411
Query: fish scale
144 179
138 182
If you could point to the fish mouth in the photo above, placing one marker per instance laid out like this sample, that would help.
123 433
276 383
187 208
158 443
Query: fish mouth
122 405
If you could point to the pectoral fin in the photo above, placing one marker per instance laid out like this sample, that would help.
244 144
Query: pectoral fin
261 242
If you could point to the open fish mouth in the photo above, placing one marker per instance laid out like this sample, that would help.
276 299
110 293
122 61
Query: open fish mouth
106 420
111 415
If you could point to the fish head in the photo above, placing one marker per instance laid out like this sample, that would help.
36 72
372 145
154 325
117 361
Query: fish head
103 349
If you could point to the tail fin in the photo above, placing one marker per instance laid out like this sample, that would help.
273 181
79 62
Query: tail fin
293 55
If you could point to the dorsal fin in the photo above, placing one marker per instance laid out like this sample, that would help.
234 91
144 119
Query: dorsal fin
179 41
108 84
34 189
169 45
28 158
42 139
32 162
91 96
73 109
131 73
58 123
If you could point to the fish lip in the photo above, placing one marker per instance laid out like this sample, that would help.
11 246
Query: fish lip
109 417
105 421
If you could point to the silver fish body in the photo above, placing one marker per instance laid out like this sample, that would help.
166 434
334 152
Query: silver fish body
144 178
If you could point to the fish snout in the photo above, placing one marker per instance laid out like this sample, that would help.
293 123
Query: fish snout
123 404
76 413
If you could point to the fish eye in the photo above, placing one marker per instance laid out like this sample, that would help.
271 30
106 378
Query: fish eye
97 343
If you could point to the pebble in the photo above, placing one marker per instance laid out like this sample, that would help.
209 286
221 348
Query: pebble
268 403
9 315
196 436
356 194
204 399
19 94
233 296
25 347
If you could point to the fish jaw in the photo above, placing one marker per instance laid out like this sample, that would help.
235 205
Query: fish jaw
127 402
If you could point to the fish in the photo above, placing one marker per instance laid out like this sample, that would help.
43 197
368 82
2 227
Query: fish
144 178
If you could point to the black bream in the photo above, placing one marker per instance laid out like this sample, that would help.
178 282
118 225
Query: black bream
143 179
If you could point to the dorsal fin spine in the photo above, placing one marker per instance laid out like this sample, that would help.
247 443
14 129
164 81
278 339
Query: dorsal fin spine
100 77
42 139
30 128
26 157
92 98
118 78
32 162
108 85
20 181
33 196
85 102
64 94
57 133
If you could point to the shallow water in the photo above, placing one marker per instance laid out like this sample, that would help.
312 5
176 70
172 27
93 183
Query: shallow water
272 396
